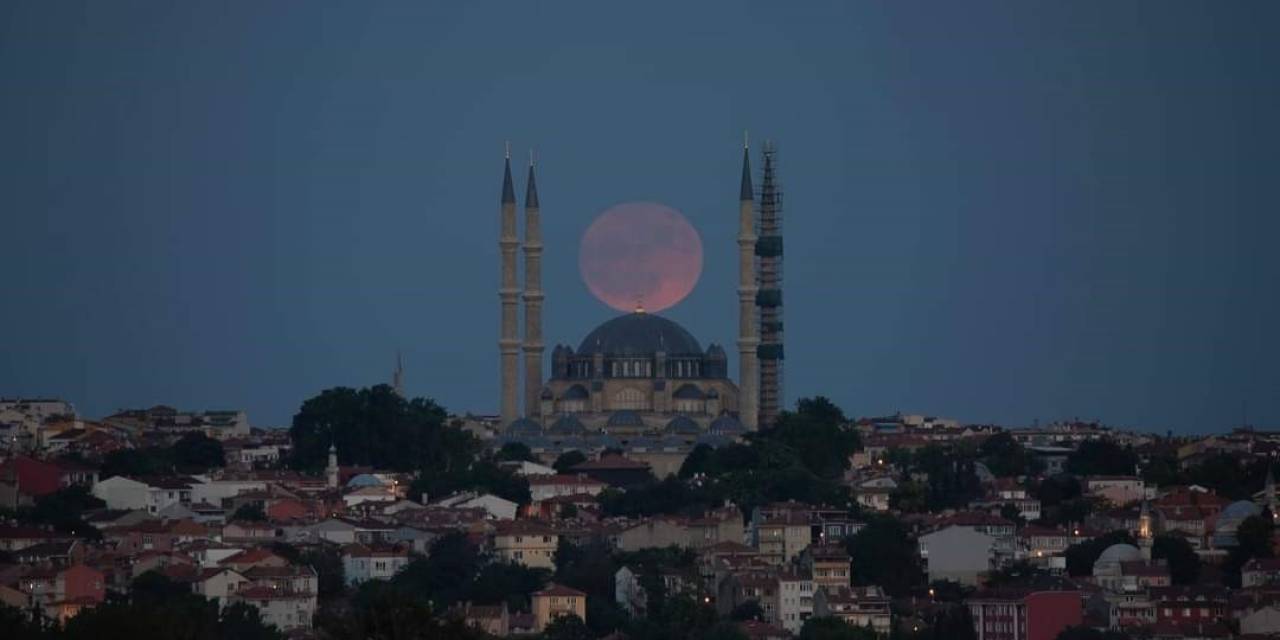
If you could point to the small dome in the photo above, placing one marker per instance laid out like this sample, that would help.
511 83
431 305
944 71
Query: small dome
364 480
683 425
715 351
726 425
524 427
1119 553
1237 512
546 394
576 392
712 393
567 426
688 392
625 419
640 334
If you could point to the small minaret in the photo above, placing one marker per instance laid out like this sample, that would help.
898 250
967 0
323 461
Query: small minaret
331 471
748 337
397 376
1145 535
509 294
533 346
1270 492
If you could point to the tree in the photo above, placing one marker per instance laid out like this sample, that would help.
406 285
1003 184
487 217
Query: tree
330 574
63 510
250 512
1253 537
885 554
749 610
241 621
830 628
817 433
697 461
515 452
568 459
197 453
149 461
1102 458
1012 513
1004 457
506 582
568 627
953 622
1184 564
1082 555
375 426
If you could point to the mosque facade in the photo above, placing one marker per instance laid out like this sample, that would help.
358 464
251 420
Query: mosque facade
636 380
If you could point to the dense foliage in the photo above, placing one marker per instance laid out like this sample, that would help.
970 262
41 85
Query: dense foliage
885 554
1082 555
377 427
1184 564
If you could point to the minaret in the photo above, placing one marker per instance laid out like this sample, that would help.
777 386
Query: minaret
748 337
1145 535
509 341
532 298
397 376
1270 491
769 297
331 471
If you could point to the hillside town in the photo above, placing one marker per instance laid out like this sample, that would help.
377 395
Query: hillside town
377 516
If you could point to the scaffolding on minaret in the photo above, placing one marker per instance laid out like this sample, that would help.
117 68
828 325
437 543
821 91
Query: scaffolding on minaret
769 293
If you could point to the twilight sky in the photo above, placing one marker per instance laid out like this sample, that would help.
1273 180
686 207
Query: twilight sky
1001 211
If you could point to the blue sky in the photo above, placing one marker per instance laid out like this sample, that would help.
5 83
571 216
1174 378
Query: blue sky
994 211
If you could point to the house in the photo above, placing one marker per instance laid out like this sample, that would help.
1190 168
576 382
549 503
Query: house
780 537
1118 490
120 492
15 538
544 487
218 583
1262 621
829 565
494 620
758 630
856 606
652 533
287 610
793 600
615 470
1259 572
525 542
1024 613
957 553
497 508
555 601
628 592
372 562
718 525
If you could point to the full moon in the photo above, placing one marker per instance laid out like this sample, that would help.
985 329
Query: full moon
640 255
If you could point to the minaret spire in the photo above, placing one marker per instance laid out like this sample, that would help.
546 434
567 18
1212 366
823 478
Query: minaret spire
397 376
533 346
769 297
508 294
748 335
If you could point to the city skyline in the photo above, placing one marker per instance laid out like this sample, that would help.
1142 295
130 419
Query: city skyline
1009 215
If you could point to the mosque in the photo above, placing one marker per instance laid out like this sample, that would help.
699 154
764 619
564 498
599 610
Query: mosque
639 382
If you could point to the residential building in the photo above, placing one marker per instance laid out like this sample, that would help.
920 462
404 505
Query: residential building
857 606
525 542
555 601
957 553
1024 613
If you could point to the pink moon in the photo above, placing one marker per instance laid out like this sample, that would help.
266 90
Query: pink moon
640 255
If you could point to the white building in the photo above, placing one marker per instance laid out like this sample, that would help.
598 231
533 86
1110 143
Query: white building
957 553
120 492
372 562
497 508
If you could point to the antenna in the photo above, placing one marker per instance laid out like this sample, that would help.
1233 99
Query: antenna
508 143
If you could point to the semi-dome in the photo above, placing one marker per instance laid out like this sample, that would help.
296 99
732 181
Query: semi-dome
682 425
625 418
567 426
726 425
524 427
640 334
688 392
1238 511
1119 553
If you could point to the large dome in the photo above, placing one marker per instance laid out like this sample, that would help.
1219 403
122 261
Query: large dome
1119 553
640 334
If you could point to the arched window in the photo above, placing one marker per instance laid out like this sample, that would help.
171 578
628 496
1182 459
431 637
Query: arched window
630 399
